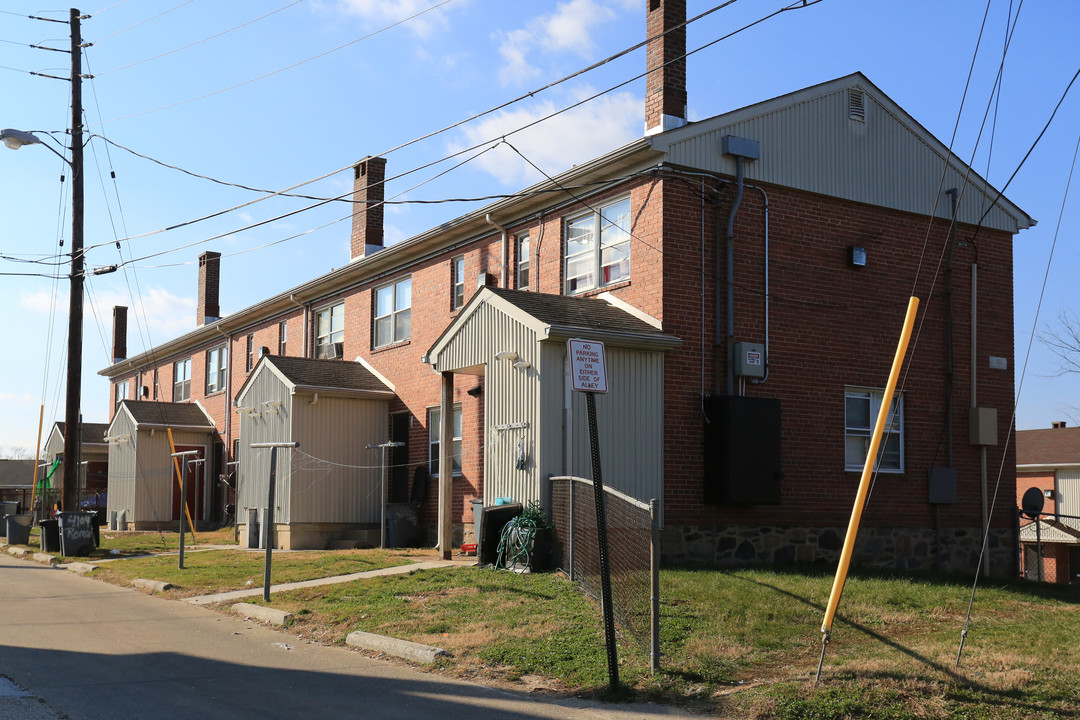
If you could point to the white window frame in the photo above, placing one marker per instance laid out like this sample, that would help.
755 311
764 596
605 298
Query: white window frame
122 389
157 389
596 250
392 305
857 431
523 262
249 360
327 330
181 380
283 337
217 368
457 282
435 435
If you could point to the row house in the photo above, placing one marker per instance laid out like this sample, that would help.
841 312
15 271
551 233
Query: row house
748 273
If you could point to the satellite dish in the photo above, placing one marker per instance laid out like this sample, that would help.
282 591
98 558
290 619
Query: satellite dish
1032 502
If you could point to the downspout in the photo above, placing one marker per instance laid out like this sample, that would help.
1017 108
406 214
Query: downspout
741 149
504 262
949 370
765 198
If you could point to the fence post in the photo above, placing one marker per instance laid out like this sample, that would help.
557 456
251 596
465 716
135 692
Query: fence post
570 489
654 585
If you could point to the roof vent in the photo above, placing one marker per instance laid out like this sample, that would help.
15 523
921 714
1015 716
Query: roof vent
856 100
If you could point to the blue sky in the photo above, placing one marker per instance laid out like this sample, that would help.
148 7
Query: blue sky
275 93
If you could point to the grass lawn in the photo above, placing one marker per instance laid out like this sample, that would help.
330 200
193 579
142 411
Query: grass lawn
213 571
742 643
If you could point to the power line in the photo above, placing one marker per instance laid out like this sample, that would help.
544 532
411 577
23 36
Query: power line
283 69
205 39
143 22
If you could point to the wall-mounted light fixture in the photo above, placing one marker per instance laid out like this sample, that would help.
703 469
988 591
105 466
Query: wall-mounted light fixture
475 391
1048 493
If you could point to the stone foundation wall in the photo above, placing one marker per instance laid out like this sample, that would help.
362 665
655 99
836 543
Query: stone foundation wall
880 548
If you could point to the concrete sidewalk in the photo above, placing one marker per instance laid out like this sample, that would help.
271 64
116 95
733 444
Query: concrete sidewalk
235 595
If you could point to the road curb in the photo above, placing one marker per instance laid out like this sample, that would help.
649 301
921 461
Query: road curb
258 612
151 585
416 652
17 551
81 568
45 558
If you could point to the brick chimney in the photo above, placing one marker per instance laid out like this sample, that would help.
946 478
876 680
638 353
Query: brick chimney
1057 424
209 278
368 193
665 88
119 333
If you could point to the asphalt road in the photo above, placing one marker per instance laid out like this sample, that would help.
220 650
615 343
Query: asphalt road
83 650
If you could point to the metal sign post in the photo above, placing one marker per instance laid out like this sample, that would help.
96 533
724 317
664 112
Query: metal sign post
183 498
270 508
382 524
588 374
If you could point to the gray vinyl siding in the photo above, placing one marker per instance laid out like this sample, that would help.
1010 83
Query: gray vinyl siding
1068 492
122 467
813 145
334 477
553 402
629 419
512 397
261 427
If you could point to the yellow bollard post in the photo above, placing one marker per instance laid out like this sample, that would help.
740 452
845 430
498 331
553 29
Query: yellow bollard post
864 481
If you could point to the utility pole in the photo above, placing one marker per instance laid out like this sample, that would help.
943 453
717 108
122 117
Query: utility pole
73 413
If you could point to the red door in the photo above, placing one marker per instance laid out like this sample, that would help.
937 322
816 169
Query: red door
193 480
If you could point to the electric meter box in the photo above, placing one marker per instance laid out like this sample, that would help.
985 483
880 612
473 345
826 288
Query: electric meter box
749 360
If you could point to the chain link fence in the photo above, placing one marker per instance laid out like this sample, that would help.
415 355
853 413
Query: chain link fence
633 554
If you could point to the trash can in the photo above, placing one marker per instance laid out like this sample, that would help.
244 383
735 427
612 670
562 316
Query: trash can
401 524
50 536
76 532
17 528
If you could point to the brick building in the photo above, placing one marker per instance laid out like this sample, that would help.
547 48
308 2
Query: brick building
768 254
1048 472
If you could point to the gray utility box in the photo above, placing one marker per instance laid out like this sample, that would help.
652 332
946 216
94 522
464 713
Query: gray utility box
749 360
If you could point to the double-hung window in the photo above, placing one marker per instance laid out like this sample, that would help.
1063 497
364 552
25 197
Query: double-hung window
330 331
861 408
249 360
523 262
393 312
282 336
457 282
598 248
181 389
217 368
434 439
122 389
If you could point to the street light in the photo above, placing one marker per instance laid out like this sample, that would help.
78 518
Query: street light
15 139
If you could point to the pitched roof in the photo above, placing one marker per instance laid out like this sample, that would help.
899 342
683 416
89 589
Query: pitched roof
14 473
576 312
149 412
1053 446
91 432
329 374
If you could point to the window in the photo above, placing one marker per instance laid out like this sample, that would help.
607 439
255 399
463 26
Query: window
330 331
434 430
393 312
457 282
249 361
861 408
181 389
523 262
217 367
591 264
282 335
122 389
155 384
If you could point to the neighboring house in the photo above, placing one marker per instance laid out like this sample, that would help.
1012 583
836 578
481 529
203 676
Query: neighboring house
16 481
143 489
94 466
750 273
1049 461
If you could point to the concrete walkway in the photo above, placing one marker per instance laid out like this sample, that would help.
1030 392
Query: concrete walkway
235 595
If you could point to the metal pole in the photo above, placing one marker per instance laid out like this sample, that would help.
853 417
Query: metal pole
382 522
602 541
183 497
1038 544
270 509
72 414
654 542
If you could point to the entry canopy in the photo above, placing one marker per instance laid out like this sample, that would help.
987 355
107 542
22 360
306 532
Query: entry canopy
482 329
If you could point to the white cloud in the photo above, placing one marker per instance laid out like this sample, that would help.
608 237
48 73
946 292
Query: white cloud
386 12
570 28
161 312
558 143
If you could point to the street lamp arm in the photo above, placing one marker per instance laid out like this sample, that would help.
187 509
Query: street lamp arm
15 139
